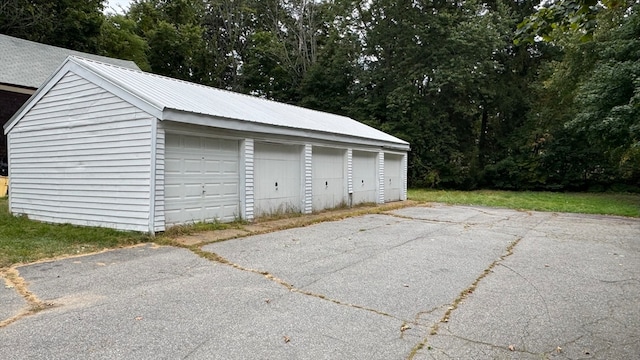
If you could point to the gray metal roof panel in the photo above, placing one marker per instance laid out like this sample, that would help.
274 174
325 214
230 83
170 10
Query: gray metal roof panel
28 64
168 93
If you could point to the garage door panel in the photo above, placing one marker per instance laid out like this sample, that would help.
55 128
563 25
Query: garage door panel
191 142
192 190
201 179
230 168
230 189
172 142
278 174
364 171
392 177
211 166
211 144
229 146
328 178
213 190
364 176
171 165
192 166
171 191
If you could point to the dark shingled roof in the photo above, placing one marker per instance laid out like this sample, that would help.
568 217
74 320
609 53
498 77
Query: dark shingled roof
28 64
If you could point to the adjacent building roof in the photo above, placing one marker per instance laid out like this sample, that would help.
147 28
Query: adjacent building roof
28 64
176 100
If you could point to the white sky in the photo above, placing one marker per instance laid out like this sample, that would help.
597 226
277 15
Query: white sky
113 6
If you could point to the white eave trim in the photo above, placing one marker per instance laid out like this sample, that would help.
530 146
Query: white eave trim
17 89
42 91
118 90
250 126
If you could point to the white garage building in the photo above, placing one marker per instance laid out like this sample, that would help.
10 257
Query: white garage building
103 145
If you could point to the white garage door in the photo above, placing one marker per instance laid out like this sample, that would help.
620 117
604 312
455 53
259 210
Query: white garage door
201 179
364 177
328 178
277 174
393 183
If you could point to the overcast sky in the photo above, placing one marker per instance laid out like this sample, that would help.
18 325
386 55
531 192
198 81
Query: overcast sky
114 5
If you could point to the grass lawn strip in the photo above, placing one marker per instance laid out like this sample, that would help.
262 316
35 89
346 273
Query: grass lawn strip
25 241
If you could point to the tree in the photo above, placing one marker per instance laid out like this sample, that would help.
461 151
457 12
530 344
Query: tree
118 39
430 73
608 101
23 18
582 130
72 24
174 34
566 15
284 46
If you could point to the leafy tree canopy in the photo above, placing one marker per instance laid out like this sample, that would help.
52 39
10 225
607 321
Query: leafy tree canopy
565 15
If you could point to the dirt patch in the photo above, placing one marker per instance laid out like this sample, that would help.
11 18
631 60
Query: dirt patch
266 225
13 280
210 236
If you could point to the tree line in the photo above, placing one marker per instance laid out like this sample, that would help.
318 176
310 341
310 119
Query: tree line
490 94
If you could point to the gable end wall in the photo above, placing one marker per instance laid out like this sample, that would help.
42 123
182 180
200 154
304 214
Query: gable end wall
82 156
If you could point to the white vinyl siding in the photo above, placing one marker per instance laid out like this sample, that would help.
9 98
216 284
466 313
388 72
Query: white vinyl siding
202 179
278 178
329 181
159 220
403 174
365 177
350 174
308 179
249 180
82 156
381 197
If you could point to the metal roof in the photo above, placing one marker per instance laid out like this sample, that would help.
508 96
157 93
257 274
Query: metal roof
28 64
166 93
176 100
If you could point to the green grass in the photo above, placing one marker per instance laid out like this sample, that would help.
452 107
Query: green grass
621 204
23 240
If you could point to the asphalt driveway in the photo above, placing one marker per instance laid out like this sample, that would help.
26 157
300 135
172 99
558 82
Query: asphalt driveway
434 282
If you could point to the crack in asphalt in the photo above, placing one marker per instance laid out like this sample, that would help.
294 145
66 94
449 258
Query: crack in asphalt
464 222
423 236
13 280
537 291
349 237
462 296
508 348
436 221
217 258
197 249
195 348
416 322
